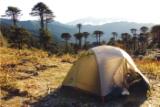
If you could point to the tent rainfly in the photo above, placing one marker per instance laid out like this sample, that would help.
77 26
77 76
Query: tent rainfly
102 69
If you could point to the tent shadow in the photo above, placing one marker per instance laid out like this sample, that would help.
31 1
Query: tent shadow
71 97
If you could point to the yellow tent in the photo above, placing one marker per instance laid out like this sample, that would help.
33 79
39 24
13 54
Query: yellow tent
103 68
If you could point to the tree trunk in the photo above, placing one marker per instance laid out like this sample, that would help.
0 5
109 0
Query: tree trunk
20 44
42 21
76 41
66 45
46 26
158 37
85 41
79 30
97 39
134 46
14 20
80 42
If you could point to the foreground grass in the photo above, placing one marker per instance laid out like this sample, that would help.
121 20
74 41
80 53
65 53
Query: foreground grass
27 76
149 67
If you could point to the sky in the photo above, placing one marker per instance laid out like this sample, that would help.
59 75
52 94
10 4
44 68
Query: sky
141 11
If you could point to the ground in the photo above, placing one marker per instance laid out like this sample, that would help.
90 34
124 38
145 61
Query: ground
32 78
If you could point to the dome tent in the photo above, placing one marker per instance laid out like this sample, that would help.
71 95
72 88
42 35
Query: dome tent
103 68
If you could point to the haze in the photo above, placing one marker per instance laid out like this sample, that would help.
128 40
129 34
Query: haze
141 11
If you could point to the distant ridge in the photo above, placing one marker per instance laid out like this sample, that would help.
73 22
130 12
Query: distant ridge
56 28
99 21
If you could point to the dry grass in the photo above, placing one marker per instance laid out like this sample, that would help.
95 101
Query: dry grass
28 75
31 72
149 67
68 58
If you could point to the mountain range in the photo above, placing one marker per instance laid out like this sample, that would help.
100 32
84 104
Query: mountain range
57 28
95 21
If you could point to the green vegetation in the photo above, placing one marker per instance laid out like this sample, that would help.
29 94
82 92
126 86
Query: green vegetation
13 12
98 36
85 34
45 15
66 37
134 43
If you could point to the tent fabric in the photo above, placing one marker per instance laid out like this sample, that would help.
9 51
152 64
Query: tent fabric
109 59
101 70
84 75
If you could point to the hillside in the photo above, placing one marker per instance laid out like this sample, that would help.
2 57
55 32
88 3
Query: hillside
58 28
31 77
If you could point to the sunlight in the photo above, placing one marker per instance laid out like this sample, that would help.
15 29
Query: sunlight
142 11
